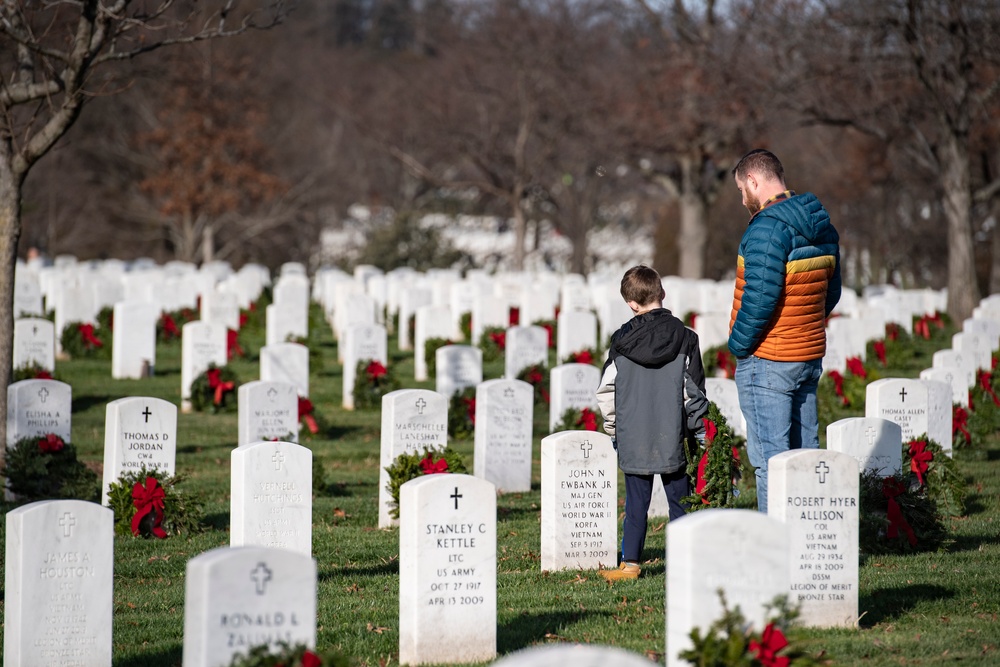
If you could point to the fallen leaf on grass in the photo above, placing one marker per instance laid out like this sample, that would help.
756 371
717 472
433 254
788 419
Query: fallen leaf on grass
377 629
659 527
945 619
654 656
130 605
339 513
554 637
353 588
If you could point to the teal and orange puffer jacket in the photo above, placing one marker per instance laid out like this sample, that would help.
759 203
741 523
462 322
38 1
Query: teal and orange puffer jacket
787 282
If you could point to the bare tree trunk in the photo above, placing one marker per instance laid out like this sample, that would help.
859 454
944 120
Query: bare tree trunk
208 243
10 231
963 290
995 264
693 236
520 232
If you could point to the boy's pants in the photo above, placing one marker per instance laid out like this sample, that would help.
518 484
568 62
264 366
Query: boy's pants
638 491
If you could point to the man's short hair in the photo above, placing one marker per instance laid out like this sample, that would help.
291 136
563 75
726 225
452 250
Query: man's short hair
642 285
761 162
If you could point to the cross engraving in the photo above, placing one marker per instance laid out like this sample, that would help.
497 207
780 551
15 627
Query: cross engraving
871 433
456 496
43 394
260 576
67 521
272 394
278 459
579 377
822 470
145 413
420 405
902 395
34 330
586 447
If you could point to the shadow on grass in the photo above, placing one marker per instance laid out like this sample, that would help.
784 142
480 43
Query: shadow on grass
217 520
993 455
973 542
374 570
528 628
84 403
162 658
973 505
888 604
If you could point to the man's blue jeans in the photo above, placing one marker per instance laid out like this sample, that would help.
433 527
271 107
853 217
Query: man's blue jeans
778 400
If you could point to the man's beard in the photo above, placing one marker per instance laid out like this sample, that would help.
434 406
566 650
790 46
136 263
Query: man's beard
752 203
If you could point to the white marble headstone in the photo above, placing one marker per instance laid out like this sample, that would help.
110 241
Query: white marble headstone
37 408
133 347
901 400
447 570
576 331
503 443
939 413
723 392
360 343
875 443
58 584
202 344
283 322
236 598
525 346
412 420
271 503
457 367
34 344
577 655
572 386
952 376
286 362
579 501
431 322
139 432
702 550
815 493
267 410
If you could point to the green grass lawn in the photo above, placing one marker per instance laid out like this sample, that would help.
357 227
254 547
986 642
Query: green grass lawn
924 609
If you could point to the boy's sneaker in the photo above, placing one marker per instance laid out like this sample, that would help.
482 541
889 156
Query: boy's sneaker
624 571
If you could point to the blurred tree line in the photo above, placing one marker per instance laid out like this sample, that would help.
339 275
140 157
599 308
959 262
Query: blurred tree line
567 110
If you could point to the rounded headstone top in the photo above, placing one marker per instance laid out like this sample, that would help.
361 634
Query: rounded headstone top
578 655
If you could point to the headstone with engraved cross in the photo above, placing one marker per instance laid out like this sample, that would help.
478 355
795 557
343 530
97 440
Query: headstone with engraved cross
447 570
504 412
202 344
236 598
363 341
59 584
939 412
267 411
139 432
412 420
572 387
34 344
36 408
271 503
815 493
875 443
525 346
579 501
901 400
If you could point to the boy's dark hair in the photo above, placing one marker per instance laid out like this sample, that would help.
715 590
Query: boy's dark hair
642 285
763 162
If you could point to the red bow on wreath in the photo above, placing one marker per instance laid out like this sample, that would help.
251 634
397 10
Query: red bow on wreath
880 351
891 487
588 420
375 370
985 381
726 363
470 409
306 414
583 357
169 326
148 501
233 343
856 367
919 458
87 333
766 650
838 387
216 384
960 422
51 444
711 430
499 338
431 467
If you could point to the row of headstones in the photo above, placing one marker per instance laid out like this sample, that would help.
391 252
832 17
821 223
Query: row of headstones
237 598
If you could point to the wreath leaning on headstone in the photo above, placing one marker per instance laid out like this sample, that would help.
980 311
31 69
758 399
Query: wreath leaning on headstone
462 414
431 346
936 474
46 467
289 656
574 419
372 381
409 466
538 377
493 342
147 503
211 389
80 341
897 517
30 371
713 467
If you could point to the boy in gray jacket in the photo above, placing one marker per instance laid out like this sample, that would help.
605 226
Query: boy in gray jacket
652 396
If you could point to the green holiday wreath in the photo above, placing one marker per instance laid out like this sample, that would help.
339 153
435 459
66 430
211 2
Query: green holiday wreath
718 361
937 475
372 381
713 466
538 377
493 342
46 467
290 656
897 517
210 390
550 326
465 325
431 346
590 355
462 414
731 641
31 371
84 341
574 419
409 466
147 503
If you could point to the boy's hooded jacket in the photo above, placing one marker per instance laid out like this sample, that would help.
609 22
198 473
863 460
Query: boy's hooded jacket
652 392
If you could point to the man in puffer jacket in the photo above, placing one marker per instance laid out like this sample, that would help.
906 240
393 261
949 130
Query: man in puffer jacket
787 284
652 396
